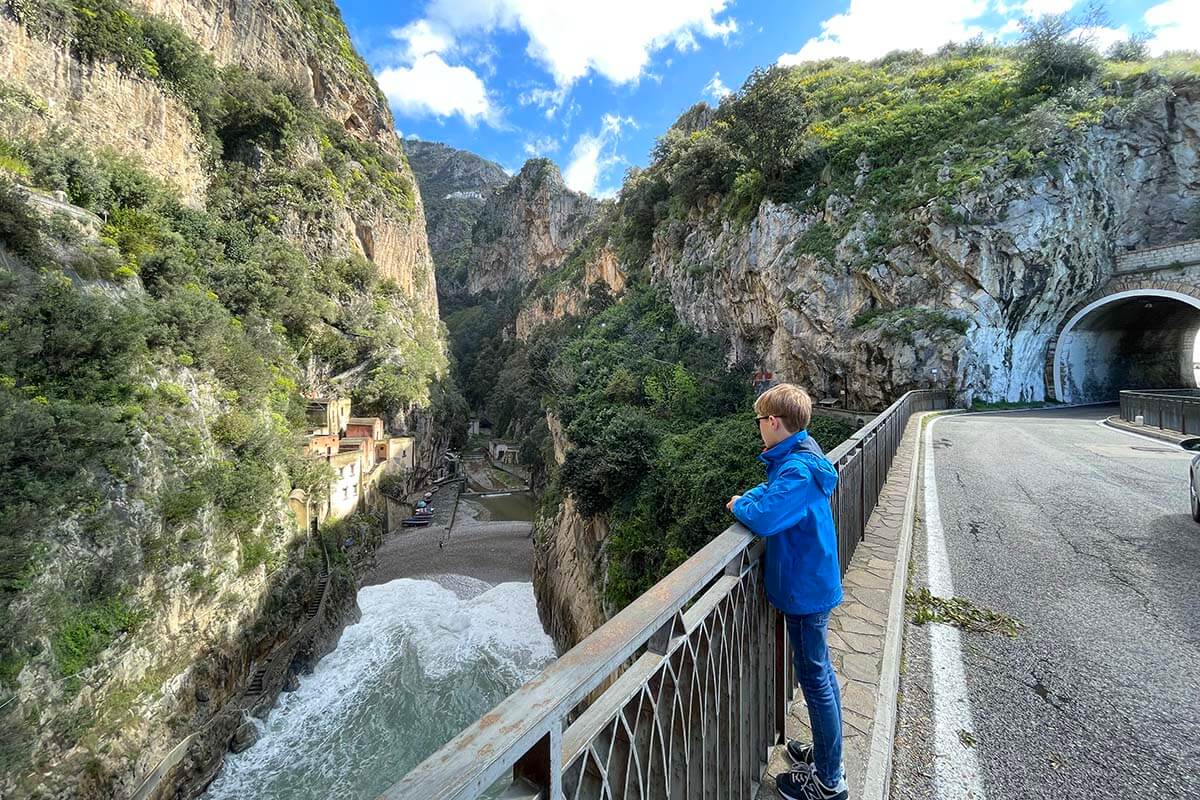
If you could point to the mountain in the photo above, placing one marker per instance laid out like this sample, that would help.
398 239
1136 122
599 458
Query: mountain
455 184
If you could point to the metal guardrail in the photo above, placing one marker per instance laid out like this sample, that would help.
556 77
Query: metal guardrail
1167 409
700 677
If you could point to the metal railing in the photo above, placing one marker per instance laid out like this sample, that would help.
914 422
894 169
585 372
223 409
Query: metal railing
1168 409
699 670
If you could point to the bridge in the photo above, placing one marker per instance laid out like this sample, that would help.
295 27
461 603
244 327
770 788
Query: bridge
1058 528
681 694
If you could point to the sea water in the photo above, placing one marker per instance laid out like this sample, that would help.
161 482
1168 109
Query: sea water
427 658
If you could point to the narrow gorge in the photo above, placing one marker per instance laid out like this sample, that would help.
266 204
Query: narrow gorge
246 326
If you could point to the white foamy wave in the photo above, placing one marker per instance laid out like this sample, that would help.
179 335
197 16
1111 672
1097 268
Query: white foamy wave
449 633
421 663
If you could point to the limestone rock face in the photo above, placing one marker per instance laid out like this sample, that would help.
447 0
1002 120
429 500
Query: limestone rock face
311 49
1009 261
180 671
568 576
303 46
527 229
604 268
106 108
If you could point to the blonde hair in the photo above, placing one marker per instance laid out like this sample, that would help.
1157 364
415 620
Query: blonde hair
789 403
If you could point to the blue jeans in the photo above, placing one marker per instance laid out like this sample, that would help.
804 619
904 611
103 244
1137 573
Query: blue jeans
814 670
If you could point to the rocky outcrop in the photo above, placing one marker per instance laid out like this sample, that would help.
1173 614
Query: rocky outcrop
527 229
568 297
455 185
307 43
1007 260
568 576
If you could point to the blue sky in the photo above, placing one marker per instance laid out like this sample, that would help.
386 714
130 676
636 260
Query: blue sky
591 84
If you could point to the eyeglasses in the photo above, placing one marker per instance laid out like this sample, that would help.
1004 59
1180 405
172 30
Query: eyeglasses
758 420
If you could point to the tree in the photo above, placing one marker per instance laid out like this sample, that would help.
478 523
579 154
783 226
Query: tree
766 120
1132 49
1057 50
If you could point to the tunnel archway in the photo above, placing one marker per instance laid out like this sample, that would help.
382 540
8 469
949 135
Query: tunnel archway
1133 339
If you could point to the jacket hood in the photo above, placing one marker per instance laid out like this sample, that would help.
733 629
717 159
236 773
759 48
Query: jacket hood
803 447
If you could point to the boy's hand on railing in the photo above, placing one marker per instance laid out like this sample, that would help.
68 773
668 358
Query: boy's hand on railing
732 500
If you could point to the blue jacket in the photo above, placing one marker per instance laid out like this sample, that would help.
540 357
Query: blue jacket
791 511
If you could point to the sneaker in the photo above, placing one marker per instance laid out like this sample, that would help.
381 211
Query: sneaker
802 783
800 753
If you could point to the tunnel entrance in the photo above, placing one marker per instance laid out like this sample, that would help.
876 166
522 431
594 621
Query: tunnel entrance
1137 339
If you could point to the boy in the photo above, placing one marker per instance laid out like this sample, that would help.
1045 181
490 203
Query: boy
803 580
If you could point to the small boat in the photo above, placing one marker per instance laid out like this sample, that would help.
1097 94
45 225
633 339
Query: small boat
416 522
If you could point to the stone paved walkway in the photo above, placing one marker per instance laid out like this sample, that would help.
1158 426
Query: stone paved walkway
858 627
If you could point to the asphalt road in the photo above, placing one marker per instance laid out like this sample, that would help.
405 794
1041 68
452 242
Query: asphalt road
1083 534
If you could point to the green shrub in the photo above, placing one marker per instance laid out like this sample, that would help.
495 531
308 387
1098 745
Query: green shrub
20 227
77 643
173 393
255 551
902 323
181 502
1132 49
818 240
745 197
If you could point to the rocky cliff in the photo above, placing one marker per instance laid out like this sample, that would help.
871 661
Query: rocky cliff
205 212
567 294
1007 259
567 575
305 42
527 229
105 106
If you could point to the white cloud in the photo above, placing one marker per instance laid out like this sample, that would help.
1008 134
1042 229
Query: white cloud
571 39
549 100
430 86
872 28
716 88
1033 8
1174 25
1008 29
423 83
422 37
1039 8
543 145
592 155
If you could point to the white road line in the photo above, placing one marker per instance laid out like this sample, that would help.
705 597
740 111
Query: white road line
956 769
